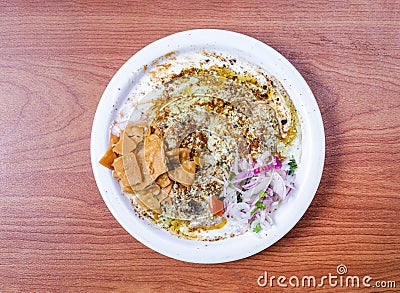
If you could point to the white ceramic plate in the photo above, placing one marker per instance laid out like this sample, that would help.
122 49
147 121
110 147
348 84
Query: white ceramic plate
122 87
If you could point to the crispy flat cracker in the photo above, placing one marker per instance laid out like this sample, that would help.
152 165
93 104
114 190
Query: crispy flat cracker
108 159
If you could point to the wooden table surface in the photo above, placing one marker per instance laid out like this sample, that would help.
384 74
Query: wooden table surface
56 233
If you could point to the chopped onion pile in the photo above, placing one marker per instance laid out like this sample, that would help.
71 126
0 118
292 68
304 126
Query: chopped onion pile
252 190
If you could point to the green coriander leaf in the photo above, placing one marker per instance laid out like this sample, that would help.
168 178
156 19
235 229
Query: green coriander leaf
260 205
231 175
292 166
262 194
253 211
257 228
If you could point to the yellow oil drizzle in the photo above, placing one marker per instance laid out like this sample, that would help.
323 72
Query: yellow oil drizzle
217 226
256 89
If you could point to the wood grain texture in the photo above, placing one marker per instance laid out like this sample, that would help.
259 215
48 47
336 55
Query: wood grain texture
56 58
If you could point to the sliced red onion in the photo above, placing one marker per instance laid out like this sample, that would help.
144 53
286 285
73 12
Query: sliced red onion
252 194
278 184
243 175
250 180
253 182
278 164
261 159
